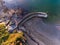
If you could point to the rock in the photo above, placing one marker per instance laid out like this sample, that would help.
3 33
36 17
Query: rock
43 33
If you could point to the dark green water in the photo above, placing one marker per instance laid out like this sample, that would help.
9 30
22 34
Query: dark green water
52 7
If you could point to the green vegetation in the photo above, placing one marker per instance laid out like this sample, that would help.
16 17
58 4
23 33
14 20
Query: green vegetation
3 33
7 38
